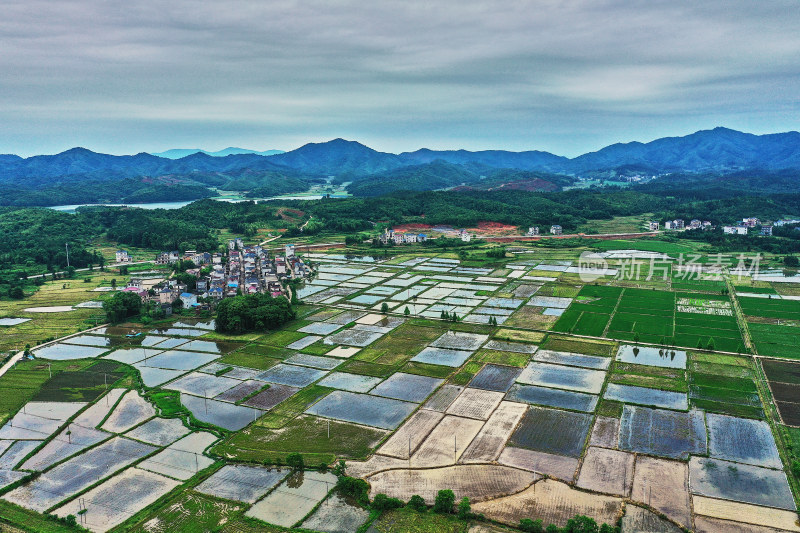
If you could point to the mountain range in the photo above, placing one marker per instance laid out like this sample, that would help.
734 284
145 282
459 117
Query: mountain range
177 153
720 151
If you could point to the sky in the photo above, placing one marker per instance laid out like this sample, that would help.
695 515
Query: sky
564 76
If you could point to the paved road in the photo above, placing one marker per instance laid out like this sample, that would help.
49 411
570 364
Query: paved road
86 269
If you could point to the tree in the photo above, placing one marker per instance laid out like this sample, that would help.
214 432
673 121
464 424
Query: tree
340 469
464 508
114 283
253 312
406 311
295 462
444 502
121 306
382 502
384 308
791 261
16 293
710 344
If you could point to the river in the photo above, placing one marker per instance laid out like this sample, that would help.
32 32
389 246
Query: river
178 205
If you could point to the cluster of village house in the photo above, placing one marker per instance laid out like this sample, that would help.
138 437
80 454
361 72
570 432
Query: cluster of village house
740 228
397 237
241 270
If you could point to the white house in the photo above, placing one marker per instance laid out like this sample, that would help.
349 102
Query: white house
555 229
290 250
123 256
654 226
735 230
188 299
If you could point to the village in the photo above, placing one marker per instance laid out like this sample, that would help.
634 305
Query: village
206 278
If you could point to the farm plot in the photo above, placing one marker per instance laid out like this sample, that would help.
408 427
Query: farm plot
375 411
105 509
775 340
495 378
293 376
38 420
222 414
179 360
78 473
343 352
16 452
241 391
605 432
442 356
608 471
661 432
563 377
162 343
64 445
203 385
159 431
218 347
553 502
475 403
663 485
556 466
742 440
457 340
130 356
241 483
492 438
572 359
349 382
153 377
337 515
645 396
757 519
534 395
738 482
304 342
643 355
442 398
293 499
407 387
314 361
637 519
65 352
725 394
182 459
515 347
320 328
131 411
411 434
784 382
353 337
95 413
552 431
91 340
476 482
445 444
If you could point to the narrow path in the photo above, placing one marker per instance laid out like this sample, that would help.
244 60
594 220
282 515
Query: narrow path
743 327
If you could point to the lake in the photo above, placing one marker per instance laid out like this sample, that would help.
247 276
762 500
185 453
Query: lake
178 205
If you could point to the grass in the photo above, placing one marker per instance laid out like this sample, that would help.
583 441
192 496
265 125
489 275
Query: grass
426 369
400 345
652 382
168 402
501 358
281 338
284 412
190 512
27 378
248 360
24 520
609 408
407 520
307 435
44 326
583 346
266 351
534 337
364 368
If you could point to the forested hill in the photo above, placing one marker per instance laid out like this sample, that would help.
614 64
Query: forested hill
80 175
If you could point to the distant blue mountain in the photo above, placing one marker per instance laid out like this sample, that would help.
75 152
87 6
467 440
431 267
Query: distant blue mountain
178 153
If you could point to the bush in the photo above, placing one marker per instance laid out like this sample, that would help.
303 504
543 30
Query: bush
531 526
295 461
384 503
444 502
417 503
355 488
552 528
322 467
581 524
464 508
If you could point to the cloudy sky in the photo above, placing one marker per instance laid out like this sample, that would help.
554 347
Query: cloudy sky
566 76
